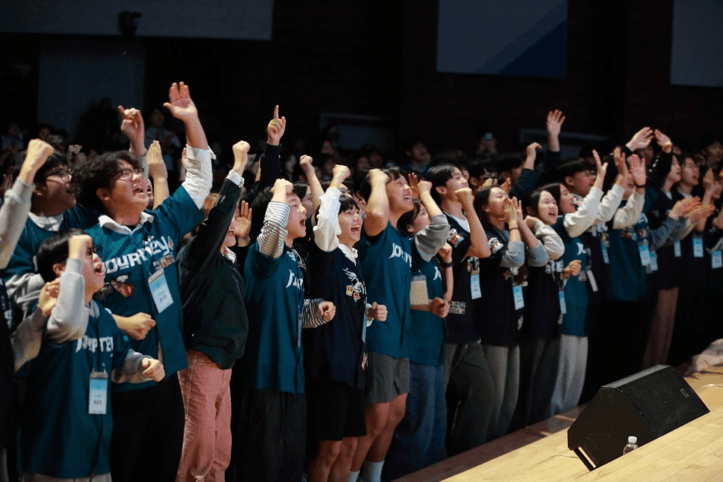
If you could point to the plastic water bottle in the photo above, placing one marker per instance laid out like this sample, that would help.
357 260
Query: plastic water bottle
632 445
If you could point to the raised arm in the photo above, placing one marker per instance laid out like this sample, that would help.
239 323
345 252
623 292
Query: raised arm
551 241
15 209
132 126
213 231
270 164
630 214
199 177
430 239
158 172
555 119
327 227
578 222
314 184
273 232
377 213
69 318
479 245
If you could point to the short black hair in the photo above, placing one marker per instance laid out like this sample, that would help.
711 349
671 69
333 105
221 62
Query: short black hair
507 161
54 250
55 160
438 176
407 219
572 167
97 173
365 188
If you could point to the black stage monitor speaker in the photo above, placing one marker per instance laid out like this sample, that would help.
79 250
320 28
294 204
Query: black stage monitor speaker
647 405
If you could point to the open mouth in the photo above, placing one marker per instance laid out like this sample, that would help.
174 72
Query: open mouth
98 269
356 229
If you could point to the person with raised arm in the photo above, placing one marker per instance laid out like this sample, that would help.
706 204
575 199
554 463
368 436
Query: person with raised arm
468 380
215 329
335 352
139 254
570 224
13 218
511 242
388 196
544 300
419 439
66 419
270 419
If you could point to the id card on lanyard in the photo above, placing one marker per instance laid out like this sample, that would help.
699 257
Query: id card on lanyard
697 247
98 397
474 281
644 253
159 290
716 259
519 299
418 294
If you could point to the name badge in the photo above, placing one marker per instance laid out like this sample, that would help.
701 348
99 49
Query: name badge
676 249
418 294
653 261
457 307
644 254
519 299
159 289
563 305
98 398
716 259
697 247
474 285
606 257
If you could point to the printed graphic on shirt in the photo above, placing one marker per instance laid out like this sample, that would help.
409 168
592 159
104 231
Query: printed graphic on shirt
294 281
356 288
398 252
495 245
152 248
120 285
437 274
105 344
454 238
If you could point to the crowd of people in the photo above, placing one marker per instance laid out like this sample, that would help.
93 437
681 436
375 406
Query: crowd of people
341 318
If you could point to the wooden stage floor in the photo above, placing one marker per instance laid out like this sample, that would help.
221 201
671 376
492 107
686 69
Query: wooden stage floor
693 452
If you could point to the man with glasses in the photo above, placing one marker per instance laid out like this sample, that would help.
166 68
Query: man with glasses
52 209
139 252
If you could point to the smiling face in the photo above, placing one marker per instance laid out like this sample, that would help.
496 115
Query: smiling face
296 224
567 204
350 222
547 208
457 181
400 195
420 222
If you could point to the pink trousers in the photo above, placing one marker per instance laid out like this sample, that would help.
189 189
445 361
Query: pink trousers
207 435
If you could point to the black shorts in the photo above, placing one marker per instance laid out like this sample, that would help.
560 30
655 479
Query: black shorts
336 410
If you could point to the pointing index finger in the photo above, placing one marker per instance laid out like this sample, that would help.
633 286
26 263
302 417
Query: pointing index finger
276 112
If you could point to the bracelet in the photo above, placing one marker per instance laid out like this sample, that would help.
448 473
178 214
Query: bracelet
514 228
445 265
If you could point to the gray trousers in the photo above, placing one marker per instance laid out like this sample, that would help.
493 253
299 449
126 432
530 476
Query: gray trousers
504 364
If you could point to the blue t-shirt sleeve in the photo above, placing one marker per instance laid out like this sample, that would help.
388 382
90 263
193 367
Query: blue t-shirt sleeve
179 213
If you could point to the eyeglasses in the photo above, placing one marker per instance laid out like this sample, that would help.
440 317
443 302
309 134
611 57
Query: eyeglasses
127 173
63 173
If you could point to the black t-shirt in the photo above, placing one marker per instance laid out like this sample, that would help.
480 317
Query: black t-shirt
669 265
461 326
334 351
500 321
542 301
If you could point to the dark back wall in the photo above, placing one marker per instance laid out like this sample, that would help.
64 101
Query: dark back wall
378 58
